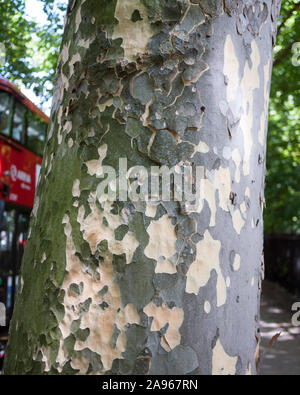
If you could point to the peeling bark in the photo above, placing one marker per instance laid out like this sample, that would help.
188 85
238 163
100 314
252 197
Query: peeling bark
140 287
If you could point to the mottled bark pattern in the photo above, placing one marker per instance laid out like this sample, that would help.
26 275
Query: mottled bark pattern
138 288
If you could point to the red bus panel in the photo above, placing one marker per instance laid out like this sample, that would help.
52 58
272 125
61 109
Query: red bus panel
19 168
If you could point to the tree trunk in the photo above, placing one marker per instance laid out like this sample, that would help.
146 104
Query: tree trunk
150 287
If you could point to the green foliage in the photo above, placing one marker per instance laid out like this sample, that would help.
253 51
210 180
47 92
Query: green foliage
282 214
15 33
48 46
31 49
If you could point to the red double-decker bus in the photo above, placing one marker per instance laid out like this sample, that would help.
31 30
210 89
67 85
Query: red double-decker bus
23 129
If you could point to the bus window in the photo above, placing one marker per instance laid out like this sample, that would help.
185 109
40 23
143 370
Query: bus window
18 122
5 111
36 132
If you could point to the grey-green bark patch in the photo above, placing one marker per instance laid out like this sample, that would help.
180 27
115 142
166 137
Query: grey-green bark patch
133 127
114 337
181 360
76 289
164 10
103 291
137 225
212 8
136 346
142 88
95 364
75 325
85 306
170 287
121 231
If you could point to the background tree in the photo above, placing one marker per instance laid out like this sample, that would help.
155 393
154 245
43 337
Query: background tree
282 213
31 49
15 35
143 287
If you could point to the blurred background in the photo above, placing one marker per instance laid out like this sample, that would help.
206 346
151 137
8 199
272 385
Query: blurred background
30 36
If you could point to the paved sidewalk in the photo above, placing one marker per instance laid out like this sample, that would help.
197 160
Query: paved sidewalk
284 357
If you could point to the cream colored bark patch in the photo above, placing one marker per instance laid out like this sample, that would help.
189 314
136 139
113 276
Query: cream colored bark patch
100 225
264 115
101 322
135 35
209 194
218 182
231 69
202 147
243 208
44 257
151 210
102 107
242 90
68 126
222 363
63 58
207 307
60 128
76 189
250 82
248 192
95 165
207 259
81 364
77 19
162 316
104 323
162 244
249 370
238 221
222 183
236 263
45 357
166 267
236 157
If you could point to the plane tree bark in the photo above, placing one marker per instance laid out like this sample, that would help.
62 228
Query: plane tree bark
143 287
